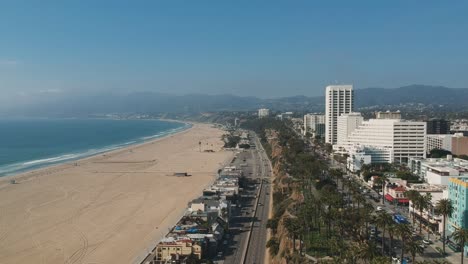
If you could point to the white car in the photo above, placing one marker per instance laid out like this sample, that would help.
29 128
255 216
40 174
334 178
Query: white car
379 208
426 242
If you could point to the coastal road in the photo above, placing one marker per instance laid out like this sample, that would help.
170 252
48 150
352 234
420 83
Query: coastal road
248 224
257 244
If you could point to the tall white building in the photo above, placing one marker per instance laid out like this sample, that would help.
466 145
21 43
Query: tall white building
263 112
347 123
338 100
389 140
311 121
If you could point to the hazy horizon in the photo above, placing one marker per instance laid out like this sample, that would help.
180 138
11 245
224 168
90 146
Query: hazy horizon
247 48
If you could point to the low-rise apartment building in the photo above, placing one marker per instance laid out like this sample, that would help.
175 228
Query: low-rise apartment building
170 249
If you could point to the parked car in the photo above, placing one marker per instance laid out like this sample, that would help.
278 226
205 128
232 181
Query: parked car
427 242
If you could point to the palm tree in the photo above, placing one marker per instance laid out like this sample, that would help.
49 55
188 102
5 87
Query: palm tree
359 199
392 230
382 180
366 251
293 228
413 248
421 204
383 220
444 207
461 236
404 232
412 195
428 201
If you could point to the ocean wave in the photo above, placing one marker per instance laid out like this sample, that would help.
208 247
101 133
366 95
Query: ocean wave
9 169
51 160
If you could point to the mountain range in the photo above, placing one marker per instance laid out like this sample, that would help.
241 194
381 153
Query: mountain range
151 102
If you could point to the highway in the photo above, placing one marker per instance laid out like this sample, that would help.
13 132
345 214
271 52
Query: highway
247 243
257 244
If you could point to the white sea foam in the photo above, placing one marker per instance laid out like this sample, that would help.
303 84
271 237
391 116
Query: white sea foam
33 164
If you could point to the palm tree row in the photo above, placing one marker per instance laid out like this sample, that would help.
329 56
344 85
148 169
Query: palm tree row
331 217
421 203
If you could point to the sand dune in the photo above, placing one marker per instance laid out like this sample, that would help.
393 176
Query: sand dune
108 208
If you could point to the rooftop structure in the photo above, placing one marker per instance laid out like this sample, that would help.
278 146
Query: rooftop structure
388 115
438 171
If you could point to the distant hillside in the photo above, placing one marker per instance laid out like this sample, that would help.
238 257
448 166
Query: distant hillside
150 102
435 95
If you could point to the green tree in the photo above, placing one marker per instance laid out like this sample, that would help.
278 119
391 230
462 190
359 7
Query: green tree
383 220
413 196
404 232
439 153
273 245
382 181
414 247
461 236
293 228
444 207
421 204
367 251
272 224
392 231
428 202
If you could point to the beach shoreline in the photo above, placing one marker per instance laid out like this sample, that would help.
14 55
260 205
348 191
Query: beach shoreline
22 176
107 208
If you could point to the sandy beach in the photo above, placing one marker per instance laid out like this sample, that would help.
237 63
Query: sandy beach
107 208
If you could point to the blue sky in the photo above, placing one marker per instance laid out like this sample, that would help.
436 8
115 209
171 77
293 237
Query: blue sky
261 48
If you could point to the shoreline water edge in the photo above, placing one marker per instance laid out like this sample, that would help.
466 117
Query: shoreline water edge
11 170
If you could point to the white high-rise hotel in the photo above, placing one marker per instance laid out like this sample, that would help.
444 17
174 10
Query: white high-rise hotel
338 100
390 140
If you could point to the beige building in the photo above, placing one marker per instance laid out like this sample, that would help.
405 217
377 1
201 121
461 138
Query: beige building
168 250
388 115
459 144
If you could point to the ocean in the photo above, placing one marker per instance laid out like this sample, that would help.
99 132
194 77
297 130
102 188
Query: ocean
27 144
